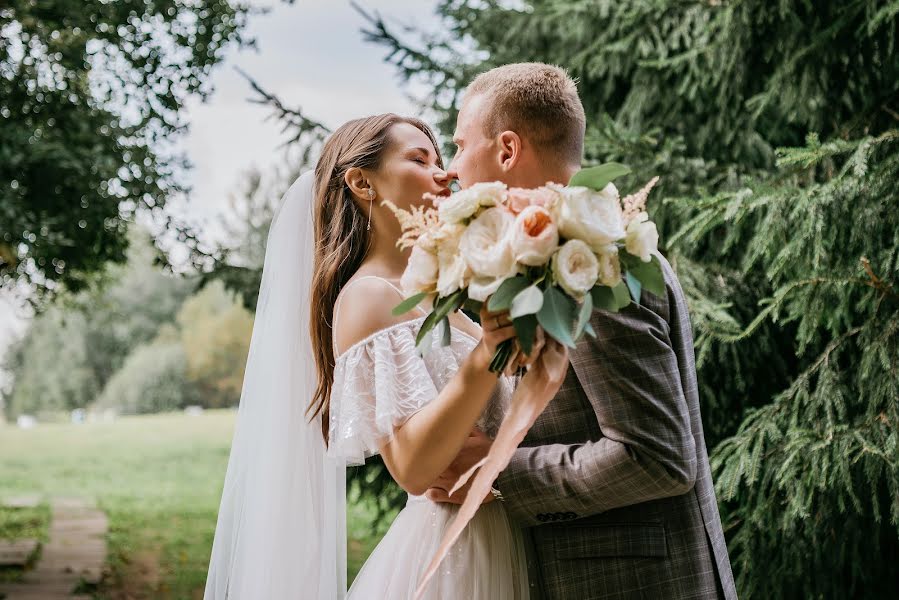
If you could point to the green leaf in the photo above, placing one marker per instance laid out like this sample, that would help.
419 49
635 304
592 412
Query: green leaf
442 307
501 356
633 284
473 306
446 331
584 316
589 330
527 302
408 304
557 314
502 297
604 298
424 339
610 299
622 296
649 274
526 331
599 177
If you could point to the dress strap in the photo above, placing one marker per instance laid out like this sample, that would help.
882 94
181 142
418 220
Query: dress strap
340 299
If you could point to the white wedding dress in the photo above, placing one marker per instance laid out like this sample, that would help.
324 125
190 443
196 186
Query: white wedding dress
379 382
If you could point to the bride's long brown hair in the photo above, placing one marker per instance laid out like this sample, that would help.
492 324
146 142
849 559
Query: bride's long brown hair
341 238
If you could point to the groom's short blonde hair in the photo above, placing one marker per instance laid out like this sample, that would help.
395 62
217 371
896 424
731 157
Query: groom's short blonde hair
536 101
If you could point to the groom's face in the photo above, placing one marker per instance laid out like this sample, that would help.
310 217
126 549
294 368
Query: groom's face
477 156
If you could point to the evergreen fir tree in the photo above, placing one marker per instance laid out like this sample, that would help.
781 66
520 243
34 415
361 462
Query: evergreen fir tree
787 245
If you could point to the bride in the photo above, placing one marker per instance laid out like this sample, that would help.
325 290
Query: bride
333 377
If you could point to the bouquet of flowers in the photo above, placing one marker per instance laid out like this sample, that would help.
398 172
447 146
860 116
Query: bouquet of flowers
549 255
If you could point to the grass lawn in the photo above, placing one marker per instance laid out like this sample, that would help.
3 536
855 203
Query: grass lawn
159 479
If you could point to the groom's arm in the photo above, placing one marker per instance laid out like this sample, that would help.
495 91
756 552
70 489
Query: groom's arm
635 389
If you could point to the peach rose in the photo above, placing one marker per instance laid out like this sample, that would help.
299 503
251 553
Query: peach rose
534 236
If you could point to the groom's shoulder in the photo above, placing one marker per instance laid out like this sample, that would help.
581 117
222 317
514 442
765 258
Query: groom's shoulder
365 307
673 287
672 303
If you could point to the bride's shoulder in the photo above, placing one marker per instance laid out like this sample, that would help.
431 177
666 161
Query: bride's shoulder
364 307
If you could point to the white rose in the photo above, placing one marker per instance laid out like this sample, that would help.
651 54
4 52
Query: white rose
421 272
485 247
480 288
609 265
465 203
534 236
485 243
594 217
453 270
642 237
575 268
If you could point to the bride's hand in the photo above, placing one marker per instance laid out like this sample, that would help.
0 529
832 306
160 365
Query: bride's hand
496 328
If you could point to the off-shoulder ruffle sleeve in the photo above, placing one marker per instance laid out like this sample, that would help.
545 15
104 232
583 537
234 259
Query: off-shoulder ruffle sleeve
378 384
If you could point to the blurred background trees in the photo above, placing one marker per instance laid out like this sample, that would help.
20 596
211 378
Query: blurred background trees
91 94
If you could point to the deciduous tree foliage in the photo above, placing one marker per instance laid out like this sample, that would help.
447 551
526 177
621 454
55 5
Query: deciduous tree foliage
91 94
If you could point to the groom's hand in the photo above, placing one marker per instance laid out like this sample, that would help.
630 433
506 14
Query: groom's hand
473 451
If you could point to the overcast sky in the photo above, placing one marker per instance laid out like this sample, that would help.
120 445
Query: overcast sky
312 55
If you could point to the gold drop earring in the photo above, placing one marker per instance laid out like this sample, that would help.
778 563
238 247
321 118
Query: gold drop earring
371 199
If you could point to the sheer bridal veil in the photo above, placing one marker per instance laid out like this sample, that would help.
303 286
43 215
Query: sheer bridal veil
281 531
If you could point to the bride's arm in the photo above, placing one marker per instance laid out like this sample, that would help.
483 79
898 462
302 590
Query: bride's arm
424 445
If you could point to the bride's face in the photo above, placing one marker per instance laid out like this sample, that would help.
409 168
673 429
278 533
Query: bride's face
409 169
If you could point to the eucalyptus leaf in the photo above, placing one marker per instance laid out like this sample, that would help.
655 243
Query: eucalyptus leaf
502 298
649 274
527 302
634 286
446 331
584 316
610 299
622 295
473 306
408 304
598 177
424 340
557 315
442 307
526 331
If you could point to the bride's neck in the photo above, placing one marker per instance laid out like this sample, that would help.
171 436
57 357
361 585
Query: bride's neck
383 257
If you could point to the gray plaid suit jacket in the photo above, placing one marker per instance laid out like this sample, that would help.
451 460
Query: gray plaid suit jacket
613 483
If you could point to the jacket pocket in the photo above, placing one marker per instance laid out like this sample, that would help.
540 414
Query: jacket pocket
611 540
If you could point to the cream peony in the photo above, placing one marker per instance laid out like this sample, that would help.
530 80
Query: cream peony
575 268
534 236
594 217
453 270
642 237
609 265
485 247
421 272
465 203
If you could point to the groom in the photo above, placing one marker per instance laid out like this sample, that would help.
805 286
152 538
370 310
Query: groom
613 481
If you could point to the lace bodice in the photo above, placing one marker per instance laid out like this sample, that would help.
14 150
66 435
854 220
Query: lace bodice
381 381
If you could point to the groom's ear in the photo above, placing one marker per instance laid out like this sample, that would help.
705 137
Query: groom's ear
510 148
357 182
